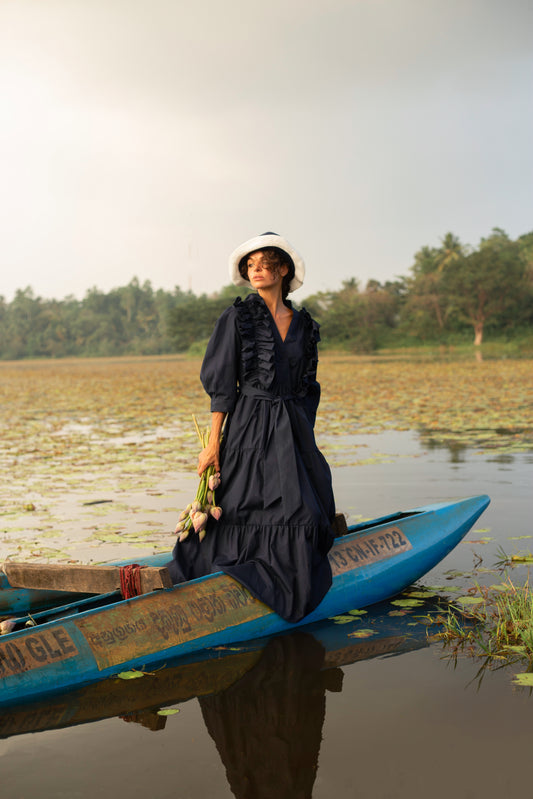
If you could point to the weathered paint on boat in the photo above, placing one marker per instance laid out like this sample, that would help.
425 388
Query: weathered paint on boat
209 672
85 644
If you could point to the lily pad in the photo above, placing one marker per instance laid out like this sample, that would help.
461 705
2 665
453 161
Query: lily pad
469 600
133 674
407 603
525 679
362 633
453 574
483 540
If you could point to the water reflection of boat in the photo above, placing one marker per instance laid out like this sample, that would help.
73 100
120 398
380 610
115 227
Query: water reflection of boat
92 639
319 648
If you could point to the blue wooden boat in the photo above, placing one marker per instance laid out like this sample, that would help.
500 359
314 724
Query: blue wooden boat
88 640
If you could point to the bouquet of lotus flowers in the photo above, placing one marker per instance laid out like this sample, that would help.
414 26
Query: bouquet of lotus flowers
197 512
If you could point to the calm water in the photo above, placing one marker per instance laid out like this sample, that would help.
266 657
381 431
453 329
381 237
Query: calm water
289 721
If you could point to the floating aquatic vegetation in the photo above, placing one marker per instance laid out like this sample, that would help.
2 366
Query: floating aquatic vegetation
485 540
493 624
525 679
469 600
407 603
505 560
132 674
362 633
83 430
349 616
449 403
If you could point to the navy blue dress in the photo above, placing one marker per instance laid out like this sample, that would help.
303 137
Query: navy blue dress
275 492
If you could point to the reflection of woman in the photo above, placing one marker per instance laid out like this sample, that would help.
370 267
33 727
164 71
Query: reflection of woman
268 726
260 371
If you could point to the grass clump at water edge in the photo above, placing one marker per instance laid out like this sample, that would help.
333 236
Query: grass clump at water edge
494 623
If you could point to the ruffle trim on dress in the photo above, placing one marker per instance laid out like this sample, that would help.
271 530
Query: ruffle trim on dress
312 338
253 321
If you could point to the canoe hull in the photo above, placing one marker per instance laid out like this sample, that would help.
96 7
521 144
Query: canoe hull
214 670
370 564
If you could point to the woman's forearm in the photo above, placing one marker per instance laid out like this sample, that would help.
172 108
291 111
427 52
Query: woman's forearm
210 455
217 421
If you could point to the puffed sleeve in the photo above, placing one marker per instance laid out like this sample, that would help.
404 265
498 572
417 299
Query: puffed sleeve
220 370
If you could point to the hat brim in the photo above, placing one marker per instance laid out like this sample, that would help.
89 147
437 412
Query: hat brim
259 243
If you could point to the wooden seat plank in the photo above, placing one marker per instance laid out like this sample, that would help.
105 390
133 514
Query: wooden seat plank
80 578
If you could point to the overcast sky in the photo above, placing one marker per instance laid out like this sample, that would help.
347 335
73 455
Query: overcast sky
149 138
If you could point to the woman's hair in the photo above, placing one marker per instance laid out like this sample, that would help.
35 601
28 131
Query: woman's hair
274 259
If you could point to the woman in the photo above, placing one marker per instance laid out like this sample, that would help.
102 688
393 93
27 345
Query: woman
260 372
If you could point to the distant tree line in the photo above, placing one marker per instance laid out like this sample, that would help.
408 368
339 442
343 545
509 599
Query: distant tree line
453 291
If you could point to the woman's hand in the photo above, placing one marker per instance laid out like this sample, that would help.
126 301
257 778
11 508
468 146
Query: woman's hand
209 456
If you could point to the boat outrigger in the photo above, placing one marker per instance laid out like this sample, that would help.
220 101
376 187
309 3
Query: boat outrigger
69 645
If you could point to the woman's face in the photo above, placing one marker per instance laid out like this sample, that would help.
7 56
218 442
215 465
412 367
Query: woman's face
263 271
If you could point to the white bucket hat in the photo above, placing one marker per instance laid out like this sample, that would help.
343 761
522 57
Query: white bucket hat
260 243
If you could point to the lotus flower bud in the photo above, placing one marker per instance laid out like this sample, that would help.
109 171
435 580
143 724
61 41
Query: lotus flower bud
7 626
199 521
201 535
214 481
180 527
183 515
209 498
195 507
183 535
216 512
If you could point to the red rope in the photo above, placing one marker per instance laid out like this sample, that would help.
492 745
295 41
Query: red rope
130 580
